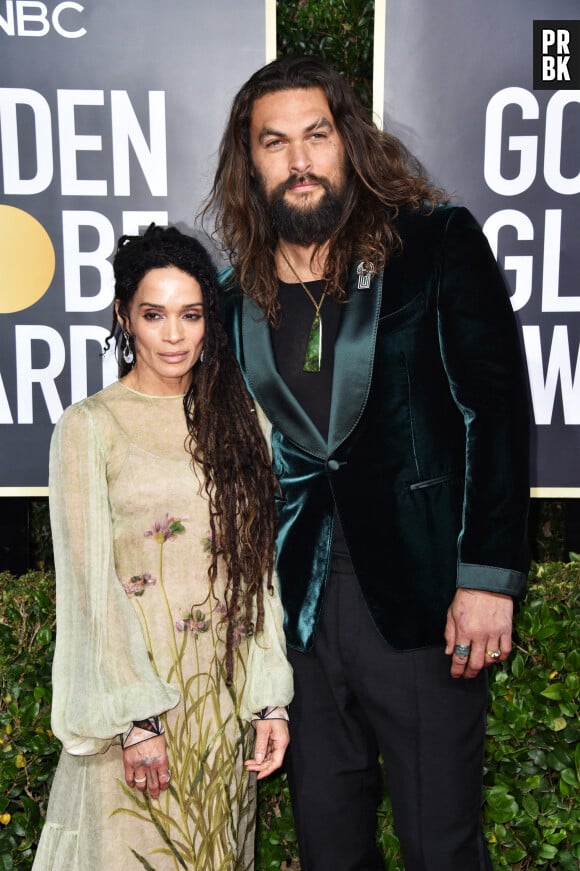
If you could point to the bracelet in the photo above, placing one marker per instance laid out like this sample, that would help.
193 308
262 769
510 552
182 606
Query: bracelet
272 713
142 730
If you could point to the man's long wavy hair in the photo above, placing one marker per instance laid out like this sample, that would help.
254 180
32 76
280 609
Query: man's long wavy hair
224 439
381 177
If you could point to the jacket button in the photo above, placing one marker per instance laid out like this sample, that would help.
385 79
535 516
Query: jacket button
333 465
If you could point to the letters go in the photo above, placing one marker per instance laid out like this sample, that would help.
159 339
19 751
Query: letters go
527 145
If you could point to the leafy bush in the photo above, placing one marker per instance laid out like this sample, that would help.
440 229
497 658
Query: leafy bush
28 750
340 31
531 813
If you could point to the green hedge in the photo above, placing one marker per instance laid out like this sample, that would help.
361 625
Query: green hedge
340 31
531 810
29 752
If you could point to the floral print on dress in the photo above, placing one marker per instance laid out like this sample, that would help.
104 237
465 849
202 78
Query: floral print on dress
166 529
204 833
211 546
139 583
195 624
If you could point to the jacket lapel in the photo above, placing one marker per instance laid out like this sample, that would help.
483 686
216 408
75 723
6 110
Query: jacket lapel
353 366
278 402
354 356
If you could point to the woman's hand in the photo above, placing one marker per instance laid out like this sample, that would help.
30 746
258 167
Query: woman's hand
272 739
147 766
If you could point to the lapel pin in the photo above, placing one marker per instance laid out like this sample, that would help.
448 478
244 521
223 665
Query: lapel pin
365 272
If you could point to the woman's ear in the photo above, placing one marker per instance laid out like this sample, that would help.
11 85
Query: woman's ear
122 319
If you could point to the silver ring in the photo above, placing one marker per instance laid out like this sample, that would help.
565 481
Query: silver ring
462 650
140 779
494 654
165 777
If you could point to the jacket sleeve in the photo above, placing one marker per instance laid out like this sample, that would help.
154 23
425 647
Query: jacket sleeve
483 361
102 676
269 681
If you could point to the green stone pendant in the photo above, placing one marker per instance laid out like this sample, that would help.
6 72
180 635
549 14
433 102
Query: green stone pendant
313 355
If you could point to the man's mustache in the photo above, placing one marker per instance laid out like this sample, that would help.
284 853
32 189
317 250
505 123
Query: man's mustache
302 178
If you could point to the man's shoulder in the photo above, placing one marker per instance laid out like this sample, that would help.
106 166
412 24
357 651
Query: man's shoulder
429 225
226 277
425 218
231 300
430 217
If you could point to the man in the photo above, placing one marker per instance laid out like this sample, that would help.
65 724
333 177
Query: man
375 332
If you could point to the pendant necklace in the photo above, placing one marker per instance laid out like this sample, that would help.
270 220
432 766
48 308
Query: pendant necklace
313 356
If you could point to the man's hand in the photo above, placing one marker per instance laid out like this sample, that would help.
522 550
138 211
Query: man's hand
147 766
272 739
481 621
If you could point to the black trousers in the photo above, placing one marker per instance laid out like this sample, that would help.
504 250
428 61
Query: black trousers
356 697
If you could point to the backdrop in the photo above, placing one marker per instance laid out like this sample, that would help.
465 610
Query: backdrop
110 117
459 89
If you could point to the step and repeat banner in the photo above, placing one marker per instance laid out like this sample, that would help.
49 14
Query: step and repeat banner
110 117
487 95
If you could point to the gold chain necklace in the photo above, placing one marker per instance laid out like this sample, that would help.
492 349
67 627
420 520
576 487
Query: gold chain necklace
313 355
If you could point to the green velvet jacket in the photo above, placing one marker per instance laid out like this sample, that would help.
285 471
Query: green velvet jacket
427 454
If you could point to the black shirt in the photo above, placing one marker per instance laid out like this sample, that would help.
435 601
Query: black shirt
311 389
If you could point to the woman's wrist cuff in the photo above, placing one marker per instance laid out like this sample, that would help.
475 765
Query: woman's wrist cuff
142 730
272 713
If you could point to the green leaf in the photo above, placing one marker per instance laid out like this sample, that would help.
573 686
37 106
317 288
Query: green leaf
518 665
531 807
44 635
559 759
570 777
547 851
515 854
501 805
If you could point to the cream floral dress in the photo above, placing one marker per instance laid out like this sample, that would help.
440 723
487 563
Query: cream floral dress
139 632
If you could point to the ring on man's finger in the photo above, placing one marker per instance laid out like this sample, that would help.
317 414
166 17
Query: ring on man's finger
140 779
462 650
494 654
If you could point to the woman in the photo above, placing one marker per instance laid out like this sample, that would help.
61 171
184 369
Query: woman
169 633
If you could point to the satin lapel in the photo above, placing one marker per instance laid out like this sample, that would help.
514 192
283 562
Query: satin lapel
278 402
354 355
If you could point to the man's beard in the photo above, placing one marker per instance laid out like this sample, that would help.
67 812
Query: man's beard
310 225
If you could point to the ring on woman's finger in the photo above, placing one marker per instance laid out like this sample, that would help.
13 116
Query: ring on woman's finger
166 776
462 650
140 779
494 654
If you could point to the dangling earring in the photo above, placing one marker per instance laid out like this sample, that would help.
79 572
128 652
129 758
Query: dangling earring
126 349
201 356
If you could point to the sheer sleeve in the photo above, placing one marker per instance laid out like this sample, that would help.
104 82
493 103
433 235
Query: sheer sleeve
102 675
269 674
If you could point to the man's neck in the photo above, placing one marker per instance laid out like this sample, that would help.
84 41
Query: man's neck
307 264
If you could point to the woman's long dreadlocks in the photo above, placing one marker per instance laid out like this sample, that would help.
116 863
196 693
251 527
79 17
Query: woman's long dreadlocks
224 440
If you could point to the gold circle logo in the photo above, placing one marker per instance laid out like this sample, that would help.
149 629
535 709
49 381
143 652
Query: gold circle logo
27 258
